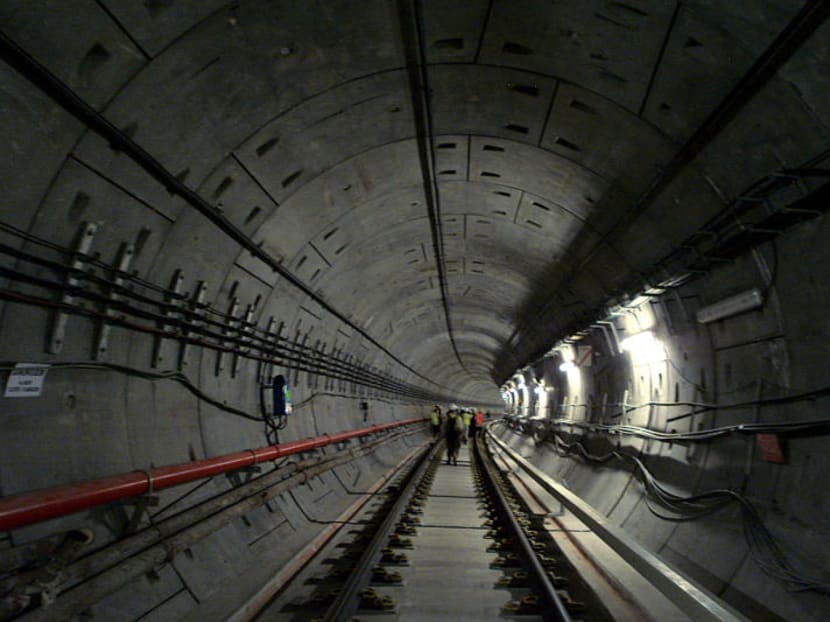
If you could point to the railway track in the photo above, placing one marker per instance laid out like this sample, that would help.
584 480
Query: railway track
476 541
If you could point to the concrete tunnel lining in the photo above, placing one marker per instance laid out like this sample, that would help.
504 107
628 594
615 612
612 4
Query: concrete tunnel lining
297 121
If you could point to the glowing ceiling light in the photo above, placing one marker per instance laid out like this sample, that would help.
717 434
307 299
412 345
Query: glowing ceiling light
643 347
637 342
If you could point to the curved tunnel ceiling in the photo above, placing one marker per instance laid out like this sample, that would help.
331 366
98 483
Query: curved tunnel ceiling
554 132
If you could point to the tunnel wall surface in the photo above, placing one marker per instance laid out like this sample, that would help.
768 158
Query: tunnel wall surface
92 420
295 122
769 354
219 574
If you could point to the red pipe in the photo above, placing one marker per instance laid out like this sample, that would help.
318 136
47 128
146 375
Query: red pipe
38 505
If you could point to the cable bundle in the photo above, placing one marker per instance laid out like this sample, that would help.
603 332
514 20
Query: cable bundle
764 549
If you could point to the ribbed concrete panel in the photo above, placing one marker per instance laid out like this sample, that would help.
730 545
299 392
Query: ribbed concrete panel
91 53
692 76
513 105
156 25
593 44
579 126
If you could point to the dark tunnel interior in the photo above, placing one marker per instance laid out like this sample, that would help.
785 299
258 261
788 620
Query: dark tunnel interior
605 219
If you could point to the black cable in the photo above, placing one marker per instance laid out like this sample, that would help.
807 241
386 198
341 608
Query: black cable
369 379
413 34
181 497
63 95
188 316
763 547
272 428
317 521
792 427
175 376
317 394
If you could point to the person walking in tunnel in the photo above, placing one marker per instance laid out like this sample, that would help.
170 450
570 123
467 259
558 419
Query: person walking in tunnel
478 423
453 429
435 421
466 417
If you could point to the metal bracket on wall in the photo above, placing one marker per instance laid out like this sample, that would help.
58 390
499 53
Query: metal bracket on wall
140 505
226 331
125 258
235 477
84 241
311 379
193 317
346 384
328 381
264 368
246 329
303 349
272 337
326 359
173 297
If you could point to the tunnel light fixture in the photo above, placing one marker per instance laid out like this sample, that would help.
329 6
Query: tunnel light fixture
637 342
739 303
643 347
637 301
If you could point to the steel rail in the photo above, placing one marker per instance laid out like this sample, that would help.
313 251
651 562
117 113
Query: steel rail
347 601
289 572
557 610
102 572
39 505
690 597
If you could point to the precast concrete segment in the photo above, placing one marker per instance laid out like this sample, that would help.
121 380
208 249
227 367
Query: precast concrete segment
449 576
65 97
24 509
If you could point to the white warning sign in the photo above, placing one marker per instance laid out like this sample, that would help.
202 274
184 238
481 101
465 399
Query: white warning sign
26 380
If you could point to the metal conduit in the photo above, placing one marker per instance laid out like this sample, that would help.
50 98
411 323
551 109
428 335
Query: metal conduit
39 505
412 35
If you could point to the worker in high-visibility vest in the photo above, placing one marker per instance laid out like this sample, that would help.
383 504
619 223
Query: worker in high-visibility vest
467 417
478 422
435 420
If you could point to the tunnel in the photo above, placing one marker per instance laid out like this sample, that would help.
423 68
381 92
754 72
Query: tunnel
230 227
